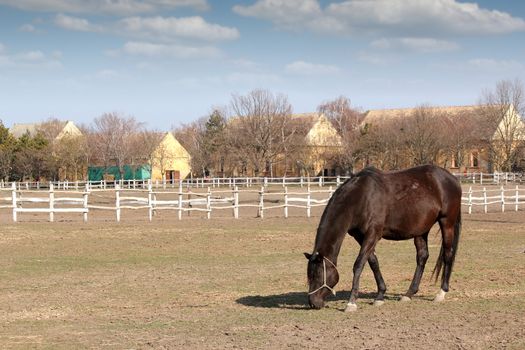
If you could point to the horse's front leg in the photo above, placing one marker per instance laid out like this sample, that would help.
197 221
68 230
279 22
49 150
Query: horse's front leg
367 248
374 265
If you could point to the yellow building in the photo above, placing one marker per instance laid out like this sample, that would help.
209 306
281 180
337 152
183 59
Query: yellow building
323 143
170 160
318 144
53 130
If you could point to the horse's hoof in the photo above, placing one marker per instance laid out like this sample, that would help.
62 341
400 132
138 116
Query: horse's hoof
440 297
405 299
351 307
379 302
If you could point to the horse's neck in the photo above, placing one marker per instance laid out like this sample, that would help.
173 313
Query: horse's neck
328 242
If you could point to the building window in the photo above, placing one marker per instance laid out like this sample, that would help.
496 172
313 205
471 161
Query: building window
454 163
474 162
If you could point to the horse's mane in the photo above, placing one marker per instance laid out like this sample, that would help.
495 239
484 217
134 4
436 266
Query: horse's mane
370 171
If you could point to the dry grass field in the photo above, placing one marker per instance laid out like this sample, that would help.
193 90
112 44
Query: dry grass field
225 283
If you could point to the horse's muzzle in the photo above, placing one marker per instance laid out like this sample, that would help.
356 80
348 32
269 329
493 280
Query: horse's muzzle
316 303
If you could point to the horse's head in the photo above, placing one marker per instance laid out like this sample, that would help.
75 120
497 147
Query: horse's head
322 278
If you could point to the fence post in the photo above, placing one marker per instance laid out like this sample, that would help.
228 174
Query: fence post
481 178
180 201
502 199
117 201
308 202
338 181
208 203
517 196
261 203
236 202
485 204
85 203
13 193
286 202
150 202
320 181
470 200
51 203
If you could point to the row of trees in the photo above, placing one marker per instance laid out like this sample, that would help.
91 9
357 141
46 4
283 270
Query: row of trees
262 135
257 134
110 140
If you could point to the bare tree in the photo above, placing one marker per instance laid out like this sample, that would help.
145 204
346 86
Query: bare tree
261 129
114 137
501 109
423 135
192 137
147 143
50 128
383 145
71 156
461 134
346 121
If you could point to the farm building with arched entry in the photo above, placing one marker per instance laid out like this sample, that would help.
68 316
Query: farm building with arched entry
170 160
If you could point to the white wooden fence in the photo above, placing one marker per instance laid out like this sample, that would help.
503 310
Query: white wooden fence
85 202
248 182
184 200
502 197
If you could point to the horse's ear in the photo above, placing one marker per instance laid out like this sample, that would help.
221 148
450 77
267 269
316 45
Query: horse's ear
313 257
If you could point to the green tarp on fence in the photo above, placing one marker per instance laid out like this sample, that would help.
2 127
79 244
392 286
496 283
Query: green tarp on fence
141 172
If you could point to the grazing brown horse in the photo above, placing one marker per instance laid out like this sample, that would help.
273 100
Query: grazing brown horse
391 205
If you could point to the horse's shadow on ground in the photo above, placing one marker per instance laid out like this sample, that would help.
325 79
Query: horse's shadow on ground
299 300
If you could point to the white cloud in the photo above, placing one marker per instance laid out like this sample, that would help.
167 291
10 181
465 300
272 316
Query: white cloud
29 28
285 13
115 7
75 23
28 59
306 68
385 17
164 50
253 79
489 64
106 74
245 63
425 45
171 27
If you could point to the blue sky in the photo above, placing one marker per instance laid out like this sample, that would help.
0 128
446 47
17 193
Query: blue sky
168 62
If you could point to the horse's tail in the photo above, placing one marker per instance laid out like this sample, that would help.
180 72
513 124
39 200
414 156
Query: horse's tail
441 258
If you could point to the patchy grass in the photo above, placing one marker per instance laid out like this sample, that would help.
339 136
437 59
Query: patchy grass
228 283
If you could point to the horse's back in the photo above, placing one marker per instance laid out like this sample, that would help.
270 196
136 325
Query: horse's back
408 202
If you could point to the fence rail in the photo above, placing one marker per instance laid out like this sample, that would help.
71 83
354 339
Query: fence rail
185 200
218 182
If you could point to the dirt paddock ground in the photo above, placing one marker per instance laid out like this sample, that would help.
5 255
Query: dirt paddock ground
225 283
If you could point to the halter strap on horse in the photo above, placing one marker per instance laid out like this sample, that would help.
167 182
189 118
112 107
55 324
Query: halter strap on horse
324 285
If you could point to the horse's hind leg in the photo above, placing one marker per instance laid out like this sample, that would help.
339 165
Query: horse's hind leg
450 235
374 265
421 243
381 286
